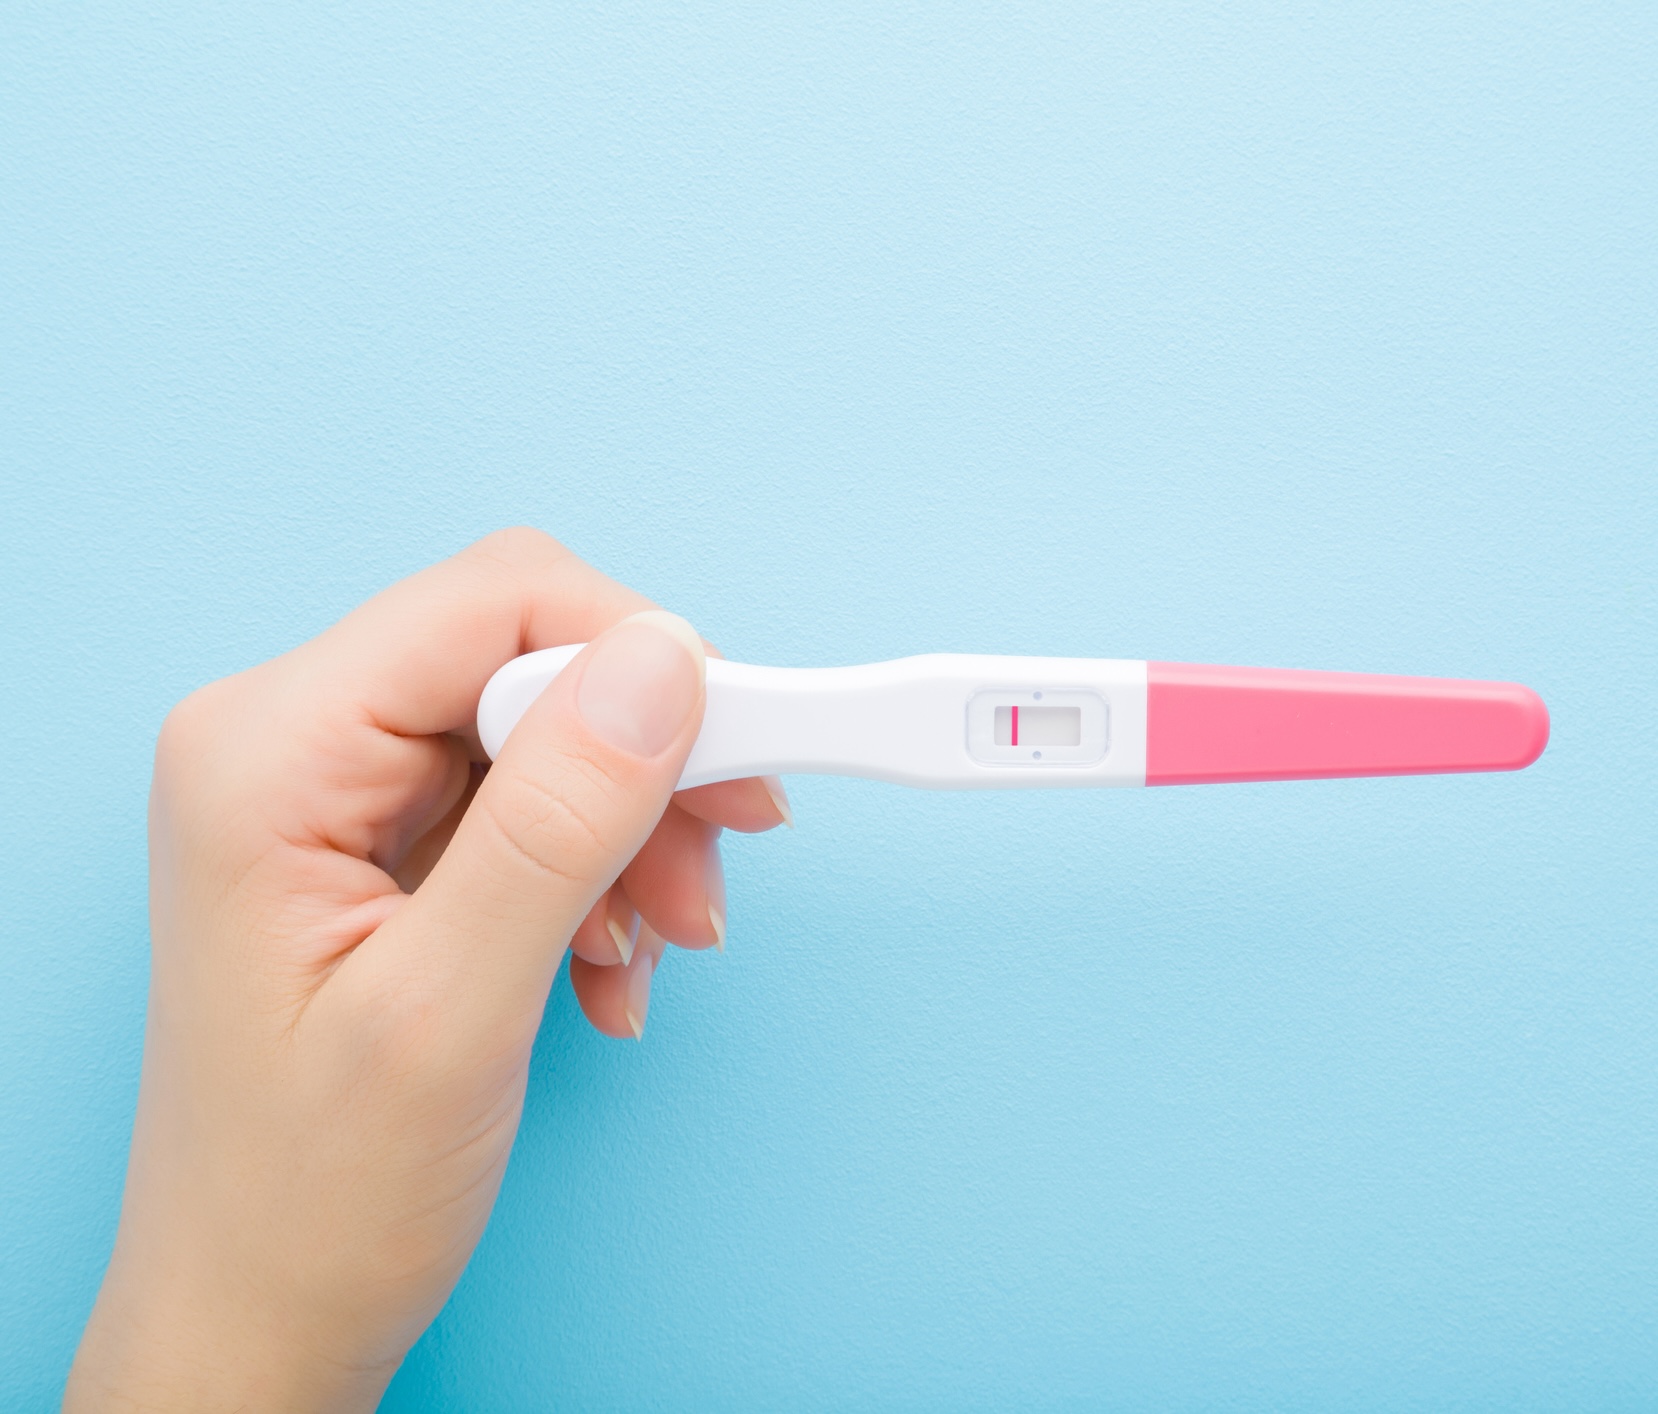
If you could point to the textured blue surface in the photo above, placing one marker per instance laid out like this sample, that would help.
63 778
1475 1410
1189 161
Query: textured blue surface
1302 334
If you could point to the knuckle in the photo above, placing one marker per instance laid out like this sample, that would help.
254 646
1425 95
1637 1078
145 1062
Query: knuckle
561 827
215 753
192 729
517 547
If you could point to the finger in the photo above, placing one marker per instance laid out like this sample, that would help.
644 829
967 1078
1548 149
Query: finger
410 864
414 659
677 883
751 805
606 936
616 999
573 796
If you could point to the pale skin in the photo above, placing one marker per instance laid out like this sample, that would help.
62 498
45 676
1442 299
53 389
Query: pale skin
354 930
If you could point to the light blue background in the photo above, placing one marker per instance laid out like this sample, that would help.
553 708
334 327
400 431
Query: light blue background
1304 334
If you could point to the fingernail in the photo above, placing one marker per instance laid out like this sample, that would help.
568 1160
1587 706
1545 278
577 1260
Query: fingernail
622 938
714 883
639 994
641 681
774 788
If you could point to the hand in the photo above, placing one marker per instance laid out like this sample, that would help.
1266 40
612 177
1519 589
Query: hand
355 926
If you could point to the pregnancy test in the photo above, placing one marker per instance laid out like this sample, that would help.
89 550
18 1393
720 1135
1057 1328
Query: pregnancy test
963 721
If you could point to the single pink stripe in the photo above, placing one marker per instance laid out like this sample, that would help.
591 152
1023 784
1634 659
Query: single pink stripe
1208 724
1016 726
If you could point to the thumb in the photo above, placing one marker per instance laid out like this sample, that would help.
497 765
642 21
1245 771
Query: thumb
575 792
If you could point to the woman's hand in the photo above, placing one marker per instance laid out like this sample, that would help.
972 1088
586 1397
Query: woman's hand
354 929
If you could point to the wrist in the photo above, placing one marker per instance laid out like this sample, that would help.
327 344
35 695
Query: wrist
155 1345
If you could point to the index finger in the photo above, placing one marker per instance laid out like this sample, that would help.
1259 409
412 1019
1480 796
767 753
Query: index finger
414 659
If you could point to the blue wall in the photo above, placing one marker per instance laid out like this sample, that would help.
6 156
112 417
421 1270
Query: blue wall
1305 334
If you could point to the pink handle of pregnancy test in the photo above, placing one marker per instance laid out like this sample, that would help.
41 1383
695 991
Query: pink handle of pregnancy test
1210 724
